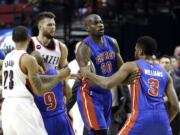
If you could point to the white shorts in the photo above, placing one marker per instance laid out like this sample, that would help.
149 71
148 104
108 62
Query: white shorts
20 116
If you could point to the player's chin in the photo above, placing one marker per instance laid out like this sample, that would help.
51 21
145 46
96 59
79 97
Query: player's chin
100 34
50 36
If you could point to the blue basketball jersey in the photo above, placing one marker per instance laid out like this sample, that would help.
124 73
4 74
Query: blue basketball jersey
95 102
153 83
52 102
103 57
149 115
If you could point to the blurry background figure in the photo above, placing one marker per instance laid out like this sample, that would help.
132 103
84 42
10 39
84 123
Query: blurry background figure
155 60
165 62
121 108
173 62
176 78
72 107
7 45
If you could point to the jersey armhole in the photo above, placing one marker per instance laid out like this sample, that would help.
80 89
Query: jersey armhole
31 47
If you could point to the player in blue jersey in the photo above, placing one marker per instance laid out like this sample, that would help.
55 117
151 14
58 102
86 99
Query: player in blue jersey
52 106
103 53
149 115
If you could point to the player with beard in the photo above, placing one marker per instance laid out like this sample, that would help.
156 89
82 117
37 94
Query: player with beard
55 55
53 51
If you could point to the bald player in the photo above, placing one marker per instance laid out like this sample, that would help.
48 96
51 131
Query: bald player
103 51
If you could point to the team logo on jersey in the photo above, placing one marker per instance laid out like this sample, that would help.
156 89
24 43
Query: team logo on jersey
38 47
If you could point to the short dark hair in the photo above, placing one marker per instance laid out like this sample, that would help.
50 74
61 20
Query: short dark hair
165 56
20 34
147 44
45 14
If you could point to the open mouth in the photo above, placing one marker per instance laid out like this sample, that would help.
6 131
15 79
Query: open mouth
101 30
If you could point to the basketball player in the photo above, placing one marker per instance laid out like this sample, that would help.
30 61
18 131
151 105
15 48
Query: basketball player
52 50
20 116
52 106
149 115
103 52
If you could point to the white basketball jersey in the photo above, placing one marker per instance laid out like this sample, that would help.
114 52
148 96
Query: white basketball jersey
14 80
51 57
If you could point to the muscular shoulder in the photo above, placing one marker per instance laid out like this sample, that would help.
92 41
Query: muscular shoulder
27 59
27 62
83 47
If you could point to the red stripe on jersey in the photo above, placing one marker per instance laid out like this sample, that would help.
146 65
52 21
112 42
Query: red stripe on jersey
135 90
88 107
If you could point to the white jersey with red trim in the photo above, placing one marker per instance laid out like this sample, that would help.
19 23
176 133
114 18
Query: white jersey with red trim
51 57
14 80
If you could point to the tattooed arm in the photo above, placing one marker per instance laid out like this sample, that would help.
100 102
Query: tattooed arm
30 67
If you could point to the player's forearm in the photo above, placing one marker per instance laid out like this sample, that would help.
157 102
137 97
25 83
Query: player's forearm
42 87
99 80
67 90
46 79
172 113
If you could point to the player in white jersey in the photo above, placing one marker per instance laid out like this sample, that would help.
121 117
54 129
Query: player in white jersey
54 52
20 115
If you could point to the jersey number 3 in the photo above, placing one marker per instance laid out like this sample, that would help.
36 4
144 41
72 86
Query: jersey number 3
50 101
154 87
8 80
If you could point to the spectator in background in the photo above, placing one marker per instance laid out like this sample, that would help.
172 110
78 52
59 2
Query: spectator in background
173 62
165 62
176 78
7 45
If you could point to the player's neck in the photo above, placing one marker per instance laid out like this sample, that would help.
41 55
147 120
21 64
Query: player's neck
98 40
20 46
145 57
43 40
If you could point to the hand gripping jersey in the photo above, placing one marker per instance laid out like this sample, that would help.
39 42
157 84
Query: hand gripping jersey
52 102
53 110
51 56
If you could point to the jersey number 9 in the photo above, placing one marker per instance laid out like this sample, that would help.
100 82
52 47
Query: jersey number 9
50 101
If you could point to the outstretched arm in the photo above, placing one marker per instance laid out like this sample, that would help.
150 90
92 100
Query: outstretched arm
30 66
114 80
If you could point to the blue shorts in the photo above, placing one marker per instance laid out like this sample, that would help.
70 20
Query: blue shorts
58 125
95 108
151 122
